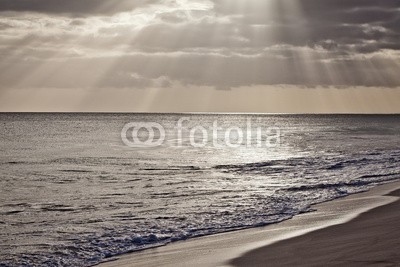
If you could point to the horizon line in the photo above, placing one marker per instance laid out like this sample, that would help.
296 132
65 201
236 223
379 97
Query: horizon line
195 113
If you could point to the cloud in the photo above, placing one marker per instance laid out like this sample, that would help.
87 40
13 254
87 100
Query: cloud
75 7
219 44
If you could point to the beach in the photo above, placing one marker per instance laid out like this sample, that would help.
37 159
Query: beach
357 230
199 133
372 239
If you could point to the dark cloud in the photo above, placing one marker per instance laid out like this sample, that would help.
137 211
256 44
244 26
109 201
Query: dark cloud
301 22
76 7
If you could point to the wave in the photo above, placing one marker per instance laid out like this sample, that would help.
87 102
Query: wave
229 197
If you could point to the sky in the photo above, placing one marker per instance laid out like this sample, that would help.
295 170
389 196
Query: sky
274 56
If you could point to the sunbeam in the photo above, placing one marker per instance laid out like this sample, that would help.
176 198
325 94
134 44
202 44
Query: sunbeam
198 44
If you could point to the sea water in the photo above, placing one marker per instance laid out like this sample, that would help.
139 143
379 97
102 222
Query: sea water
72 193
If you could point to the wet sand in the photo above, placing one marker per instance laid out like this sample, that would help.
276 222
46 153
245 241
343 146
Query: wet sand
371 239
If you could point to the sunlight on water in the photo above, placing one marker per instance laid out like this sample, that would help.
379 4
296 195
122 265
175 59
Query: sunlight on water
72 193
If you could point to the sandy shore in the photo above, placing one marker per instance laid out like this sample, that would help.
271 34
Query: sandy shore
334 226
372 239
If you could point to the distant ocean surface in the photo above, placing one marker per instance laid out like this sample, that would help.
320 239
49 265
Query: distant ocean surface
72 194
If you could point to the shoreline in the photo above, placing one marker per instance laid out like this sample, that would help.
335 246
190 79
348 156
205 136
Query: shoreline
226 249
372 238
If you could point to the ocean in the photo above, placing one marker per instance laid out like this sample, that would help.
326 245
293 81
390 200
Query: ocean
74 193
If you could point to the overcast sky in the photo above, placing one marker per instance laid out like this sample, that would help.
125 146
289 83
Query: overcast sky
200 55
